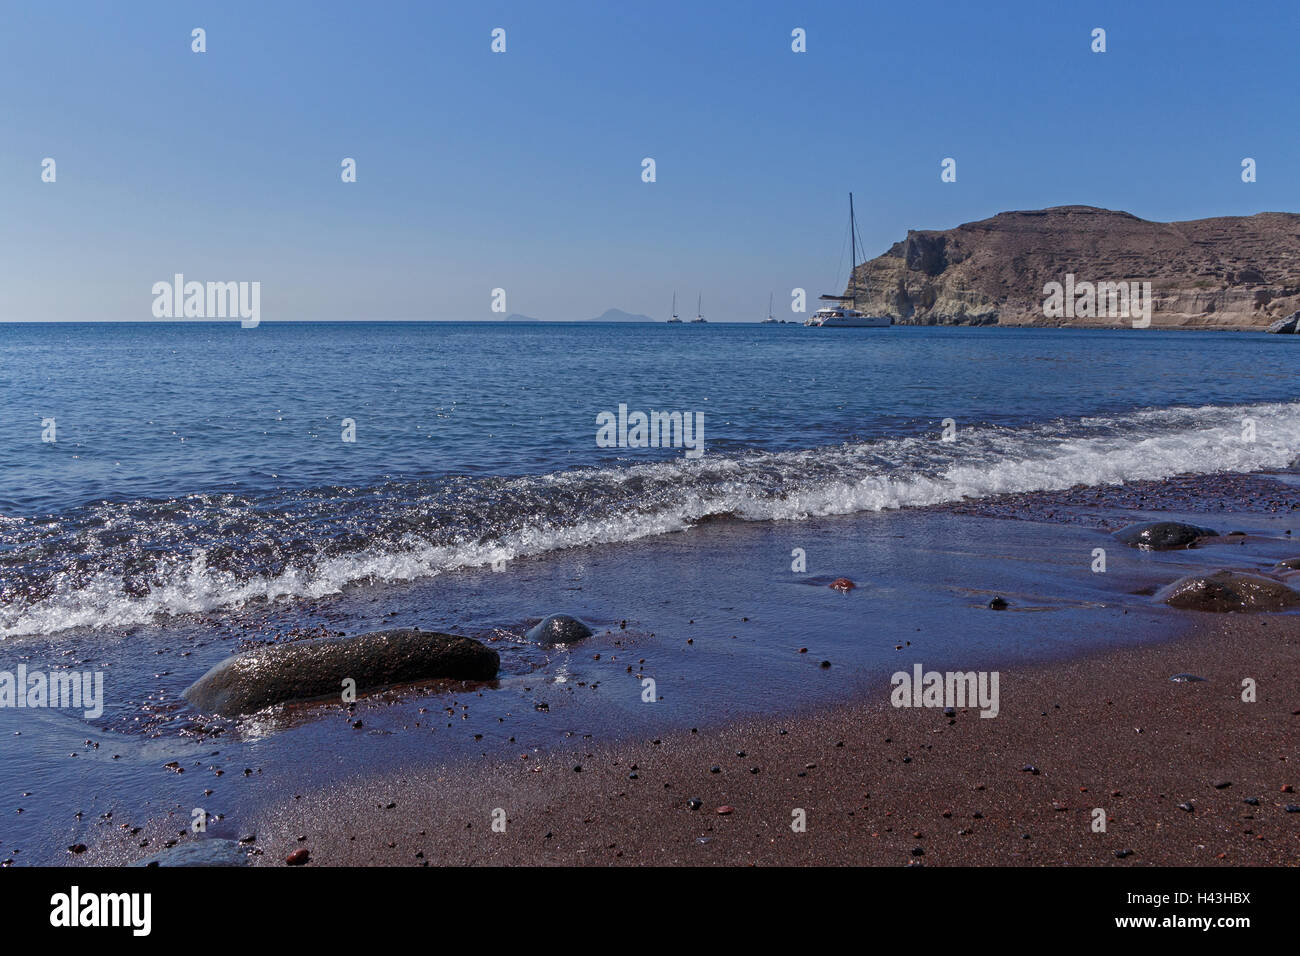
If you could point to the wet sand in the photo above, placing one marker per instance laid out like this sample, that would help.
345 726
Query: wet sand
885 786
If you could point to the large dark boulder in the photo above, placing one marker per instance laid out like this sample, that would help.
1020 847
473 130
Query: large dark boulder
1288 326
1163 535
558 629
316 669
1224 591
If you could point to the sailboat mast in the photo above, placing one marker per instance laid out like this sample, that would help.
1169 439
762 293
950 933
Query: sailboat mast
853 256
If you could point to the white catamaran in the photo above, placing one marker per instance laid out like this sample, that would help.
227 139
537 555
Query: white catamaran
844 315
699 312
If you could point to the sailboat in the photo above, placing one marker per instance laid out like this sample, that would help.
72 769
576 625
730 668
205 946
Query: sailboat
675 318
843 316
769 320
699 312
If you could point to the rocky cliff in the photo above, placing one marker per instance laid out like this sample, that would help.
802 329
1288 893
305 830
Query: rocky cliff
1231 272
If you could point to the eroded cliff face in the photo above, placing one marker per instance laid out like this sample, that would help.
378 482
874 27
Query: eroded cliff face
1231 272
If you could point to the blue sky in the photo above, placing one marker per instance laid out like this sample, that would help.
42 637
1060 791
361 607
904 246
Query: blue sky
522 170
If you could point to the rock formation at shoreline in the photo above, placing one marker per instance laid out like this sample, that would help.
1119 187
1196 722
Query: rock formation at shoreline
1238 272
315 669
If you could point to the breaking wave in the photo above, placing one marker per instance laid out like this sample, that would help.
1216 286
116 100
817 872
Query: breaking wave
115 564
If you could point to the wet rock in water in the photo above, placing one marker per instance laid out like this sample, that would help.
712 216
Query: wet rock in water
1288 326
1223 591
999 604
209 852
558 629
316 669
1187 679
842 584
1163 535
1290 564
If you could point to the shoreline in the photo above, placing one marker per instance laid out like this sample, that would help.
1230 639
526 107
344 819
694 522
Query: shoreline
1106 730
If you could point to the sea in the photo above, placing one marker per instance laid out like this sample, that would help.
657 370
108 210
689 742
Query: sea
173 493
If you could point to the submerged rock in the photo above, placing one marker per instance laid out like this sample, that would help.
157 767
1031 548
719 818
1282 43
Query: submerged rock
1163 535
842 584
1290 564
558 629
208 852
316 669
1223 591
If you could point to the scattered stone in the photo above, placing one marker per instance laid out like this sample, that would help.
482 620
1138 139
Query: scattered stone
999 604
725 810
1187 679
558 629
842 584
1163 535
1224 591
1187 806
1222 784
1251 801
1123 853
695 803
298 857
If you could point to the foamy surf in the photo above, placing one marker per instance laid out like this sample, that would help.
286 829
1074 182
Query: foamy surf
124 564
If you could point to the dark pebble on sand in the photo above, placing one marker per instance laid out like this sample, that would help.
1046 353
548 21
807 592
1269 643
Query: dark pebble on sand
1187 679
577 768
298 857
715 769
1123 853
724 810
1222 784
695 803
632 775
918 851
77 848
1187 806
1029 768
1251 801
1293 808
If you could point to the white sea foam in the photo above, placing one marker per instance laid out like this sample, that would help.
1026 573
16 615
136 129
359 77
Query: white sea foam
645 500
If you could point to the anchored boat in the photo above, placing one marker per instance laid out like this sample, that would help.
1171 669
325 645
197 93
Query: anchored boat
844 315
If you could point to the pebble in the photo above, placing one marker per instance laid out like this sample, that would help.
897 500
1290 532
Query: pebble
1222 784
1187 679
298 857
999 604
1187 805
1123 853
695 803
724 810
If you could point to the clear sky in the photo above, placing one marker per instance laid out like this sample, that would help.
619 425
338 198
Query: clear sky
523 170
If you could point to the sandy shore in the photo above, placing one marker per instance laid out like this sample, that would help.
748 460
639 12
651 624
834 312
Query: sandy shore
885 786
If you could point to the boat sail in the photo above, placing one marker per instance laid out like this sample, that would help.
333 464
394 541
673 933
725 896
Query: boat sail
675 318
769 320
844 316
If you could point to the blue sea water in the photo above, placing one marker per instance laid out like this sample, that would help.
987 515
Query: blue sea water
199 499
201 466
